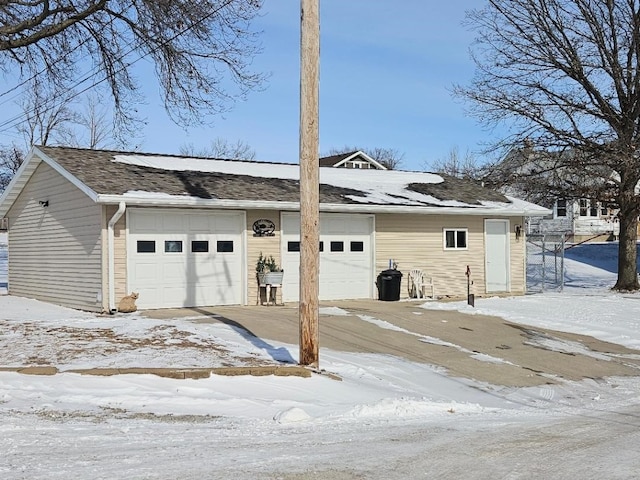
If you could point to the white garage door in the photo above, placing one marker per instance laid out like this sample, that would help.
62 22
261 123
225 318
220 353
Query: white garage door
346 256
182 258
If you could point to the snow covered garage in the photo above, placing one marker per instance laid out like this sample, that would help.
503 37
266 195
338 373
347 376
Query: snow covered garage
87 227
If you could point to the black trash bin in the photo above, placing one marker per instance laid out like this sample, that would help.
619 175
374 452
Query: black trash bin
389 285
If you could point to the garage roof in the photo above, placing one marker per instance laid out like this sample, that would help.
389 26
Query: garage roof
152 179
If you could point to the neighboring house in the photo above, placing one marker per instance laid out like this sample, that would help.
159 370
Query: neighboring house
87 227
580 219
356 159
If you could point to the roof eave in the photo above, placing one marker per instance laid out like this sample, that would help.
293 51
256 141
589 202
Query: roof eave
175 201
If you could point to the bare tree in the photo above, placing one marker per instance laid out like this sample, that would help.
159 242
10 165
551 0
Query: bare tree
221 148
465 166
201 50
44 122
566 74
60 124
389 157
93 127
11 157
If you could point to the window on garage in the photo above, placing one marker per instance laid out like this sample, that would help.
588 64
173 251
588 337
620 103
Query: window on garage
357 246
337 246
173 246
199 246
295 246
146 246
224 246
455 239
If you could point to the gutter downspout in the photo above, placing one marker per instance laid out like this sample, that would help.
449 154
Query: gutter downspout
111 256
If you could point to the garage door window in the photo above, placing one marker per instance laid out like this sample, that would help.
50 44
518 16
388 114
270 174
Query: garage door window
146 246
337 246
173 246
295 246
357 246
225 246
199 246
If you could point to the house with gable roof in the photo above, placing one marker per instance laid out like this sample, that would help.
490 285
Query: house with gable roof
355 159
592 216
87 227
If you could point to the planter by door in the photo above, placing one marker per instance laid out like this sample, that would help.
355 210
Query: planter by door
270 278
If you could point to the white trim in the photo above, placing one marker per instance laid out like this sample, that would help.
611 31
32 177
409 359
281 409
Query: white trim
177 201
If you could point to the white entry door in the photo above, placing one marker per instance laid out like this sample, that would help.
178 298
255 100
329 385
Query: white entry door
346 256
497 255
185 258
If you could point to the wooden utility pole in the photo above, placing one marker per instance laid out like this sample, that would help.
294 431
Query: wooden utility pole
309 181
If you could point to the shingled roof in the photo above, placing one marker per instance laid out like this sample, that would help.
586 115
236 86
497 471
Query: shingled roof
332 160
97 170
111 176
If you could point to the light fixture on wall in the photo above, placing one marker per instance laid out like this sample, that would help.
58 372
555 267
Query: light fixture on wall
44 203
518 230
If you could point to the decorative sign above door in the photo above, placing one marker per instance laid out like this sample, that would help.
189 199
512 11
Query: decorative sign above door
263 228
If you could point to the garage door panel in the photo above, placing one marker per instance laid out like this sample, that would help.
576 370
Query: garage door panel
346 272
175 272
197 224
190 275
145 224
225 224
146 271
173 222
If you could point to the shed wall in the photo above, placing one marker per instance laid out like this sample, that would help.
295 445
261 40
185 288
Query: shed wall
416 241
55 251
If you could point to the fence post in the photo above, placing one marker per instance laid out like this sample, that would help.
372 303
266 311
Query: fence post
562 242
544 263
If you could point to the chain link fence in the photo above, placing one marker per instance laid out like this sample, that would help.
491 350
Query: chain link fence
545 262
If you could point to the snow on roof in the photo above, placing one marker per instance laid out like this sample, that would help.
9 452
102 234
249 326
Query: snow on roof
378 187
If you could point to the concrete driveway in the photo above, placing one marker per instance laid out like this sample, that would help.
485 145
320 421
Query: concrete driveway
479 347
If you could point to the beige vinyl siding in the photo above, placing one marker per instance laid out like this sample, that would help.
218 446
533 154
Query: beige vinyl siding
55 251
267 245
518 248
120 250
416 241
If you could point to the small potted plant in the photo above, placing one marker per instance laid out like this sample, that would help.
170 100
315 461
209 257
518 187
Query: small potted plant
269 273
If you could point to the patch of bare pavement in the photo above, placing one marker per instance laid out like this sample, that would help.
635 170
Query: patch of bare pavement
479 347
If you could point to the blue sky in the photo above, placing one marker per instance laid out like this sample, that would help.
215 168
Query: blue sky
386 72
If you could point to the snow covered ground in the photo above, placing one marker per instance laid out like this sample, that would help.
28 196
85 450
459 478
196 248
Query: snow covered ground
388 418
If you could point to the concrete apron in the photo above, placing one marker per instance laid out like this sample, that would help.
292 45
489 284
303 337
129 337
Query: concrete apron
479 347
